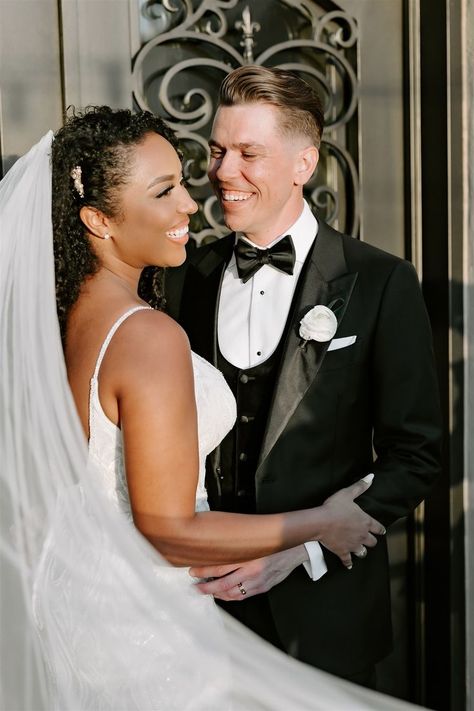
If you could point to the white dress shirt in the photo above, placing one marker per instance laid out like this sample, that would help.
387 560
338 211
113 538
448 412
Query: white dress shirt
252 318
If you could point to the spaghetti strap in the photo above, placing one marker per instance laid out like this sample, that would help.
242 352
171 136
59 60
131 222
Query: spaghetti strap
111 333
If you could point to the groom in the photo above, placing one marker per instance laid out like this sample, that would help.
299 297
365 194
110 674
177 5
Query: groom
352 391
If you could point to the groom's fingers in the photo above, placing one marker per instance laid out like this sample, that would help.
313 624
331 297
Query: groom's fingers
238 585
220 585
212 571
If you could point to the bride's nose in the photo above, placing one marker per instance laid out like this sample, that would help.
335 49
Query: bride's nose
187 205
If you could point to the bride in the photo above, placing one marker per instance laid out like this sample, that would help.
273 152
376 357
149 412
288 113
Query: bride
97 618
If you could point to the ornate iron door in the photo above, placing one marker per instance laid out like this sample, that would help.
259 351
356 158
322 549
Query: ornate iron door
187 48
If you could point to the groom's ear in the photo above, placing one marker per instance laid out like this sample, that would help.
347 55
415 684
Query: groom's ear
306 163
96 223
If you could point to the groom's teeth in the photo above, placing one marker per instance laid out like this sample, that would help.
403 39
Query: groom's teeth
232 197
177 234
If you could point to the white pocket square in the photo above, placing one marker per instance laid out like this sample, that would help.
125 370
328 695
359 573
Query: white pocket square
337 343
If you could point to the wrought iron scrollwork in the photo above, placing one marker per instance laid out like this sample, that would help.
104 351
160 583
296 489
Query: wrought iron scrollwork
187 48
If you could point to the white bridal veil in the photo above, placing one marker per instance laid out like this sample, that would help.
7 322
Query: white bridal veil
142 641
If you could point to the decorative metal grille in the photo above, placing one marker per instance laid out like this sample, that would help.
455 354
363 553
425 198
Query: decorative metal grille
186 49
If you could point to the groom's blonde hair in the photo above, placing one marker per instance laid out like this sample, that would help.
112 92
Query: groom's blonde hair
299 105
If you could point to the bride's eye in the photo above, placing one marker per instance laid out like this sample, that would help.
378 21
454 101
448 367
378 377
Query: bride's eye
166 191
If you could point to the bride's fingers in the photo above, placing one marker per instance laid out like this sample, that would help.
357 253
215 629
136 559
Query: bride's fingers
377 528
369 540
346 560
359 487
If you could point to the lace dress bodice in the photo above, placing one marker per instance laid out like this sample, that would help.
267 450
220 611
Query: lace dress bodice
216 412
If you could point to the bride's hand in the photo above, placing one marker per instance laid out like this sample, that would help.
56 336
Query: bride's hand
349 529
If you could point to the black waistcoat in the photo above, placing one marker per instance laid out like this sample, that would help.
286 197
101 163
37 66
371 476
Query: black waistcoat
230 479
253 390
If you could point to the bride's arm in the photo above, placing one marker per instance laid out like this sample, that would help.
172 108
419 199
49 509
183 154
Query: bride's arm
155 394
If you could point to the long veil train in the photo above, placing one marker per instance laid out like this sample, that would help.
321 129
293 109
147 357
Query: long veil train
154 649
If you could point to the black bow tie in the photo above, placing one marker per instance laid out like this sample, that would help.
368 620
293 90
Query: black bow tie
249 258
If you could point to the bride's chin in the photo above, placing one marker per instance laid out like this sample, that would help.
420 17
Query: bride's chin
170 261
178 259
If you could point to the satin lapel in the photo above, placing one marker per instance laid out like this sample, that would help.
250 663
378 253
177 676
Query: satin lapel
201 296
324 281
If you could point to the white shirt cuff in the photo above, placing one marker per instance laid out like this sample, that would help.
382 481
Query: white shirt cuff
316 565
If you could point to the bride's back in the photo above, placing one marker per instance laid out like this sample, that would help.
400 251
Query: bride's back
96 310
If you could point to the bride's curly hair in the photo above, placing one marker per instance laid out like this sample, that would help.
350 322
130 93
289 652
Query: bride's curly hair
99 140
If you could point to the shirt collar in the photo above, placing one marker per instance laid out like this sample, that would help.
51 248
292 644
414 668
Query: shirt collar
303 233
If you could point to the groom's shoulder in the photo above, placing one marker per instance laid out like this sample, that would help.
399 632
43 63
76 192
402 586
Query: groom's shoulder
361 255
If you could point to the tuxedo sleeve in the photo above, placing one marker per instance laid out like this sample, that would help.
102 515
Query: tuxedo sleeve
405 402
315 566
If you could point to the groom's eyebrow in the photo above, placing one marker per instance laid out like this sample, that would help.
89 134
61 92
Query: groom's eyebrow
161 179
242 145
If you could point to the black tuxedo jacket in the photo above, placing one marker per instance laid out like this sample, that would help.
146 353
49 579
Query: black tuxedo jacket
335 416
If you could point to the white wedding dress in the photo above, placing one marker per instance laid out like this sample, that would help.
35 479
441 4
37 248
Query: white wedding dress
216 411
62 597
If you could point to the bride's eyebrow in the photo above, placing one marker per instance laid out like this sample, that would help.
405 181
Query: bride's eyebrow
161 179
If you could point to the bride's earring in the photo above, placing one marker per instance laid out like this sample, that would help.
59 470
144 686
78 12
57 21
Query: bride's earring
106 236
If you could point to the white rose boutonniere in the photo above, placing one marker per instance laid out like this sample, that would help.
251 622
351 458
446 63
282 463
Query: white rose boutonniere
319 324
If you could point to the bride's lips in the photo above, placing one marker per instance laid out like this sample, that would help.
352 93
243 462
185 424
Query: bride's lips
179 234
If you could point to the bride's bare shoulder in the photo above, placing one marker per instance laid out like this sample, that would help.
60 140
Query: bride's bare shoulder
153 323
151 340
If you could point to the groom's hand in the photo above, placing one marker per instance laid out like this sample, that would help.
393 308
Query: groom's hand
254 577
